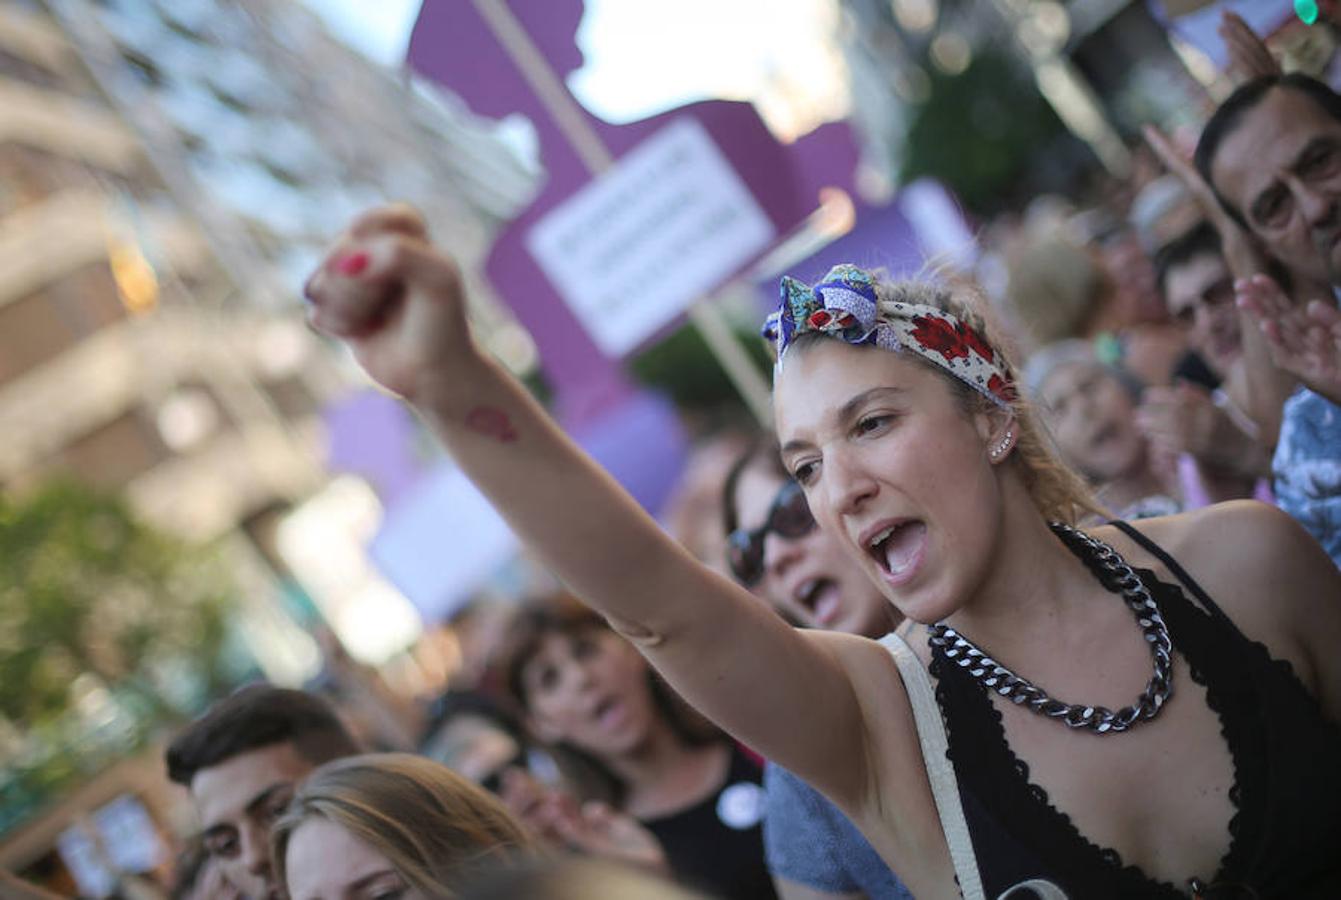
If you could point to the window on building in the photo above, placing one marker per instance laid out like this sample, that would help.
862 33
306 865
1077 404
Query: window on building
113 455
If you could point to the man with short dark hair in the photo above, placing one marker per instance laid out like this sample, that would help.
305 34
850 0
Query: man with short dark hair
1272 155
241 761
1198 290
1211 426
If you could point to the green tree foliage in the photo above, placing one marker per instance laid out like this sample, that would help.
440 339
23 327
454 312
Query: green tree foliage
976 132
86 588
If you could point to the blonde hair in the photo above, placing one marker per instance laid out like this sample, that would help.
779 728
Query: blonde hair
578 879
434 826
1054 288
1058 492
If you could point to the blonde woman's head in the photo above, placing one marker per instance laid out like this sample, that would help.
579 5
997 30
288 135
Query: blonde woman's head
390 821
916 455
1057 491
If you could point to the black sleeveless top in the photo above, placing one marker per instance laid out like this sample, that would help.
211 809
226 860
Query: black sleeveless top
717 846
1286 831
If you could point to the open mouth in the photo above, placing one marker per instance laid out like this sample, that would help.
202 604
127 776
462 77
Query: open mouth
608 713
820 598
897 549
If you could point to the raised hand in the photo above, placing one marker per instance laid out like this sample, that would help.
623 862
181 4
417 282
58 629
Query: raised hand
601 830
1249 57
1184 419
1304 340
1240 251
395 300
596 829
1179 419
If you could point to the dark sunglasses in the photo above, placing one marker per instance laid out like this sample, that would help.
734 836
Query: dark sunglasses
493 782
788 517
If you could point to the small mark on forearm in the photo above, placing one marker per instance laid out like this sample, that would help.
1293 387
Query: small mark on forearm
491 422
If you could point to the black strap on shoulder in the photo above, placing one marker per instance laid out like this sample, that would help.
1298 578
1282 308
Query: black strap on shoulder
1172 565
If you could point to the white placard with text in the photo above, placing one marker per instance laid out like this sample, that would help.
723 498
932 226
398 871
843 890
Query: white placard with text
634 248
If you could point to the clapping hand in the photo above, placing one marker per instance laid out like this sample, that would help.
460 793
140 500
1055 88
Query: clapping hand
1304 340
1184 419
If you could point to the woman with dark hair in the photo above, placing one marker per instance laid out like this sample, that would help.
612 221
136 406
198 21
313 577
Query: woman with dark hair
775 549
1196 686
589 692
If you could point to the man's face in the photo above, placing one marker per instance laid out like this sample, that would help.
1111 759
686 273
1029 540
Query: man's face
1200 296
238 800
1280 167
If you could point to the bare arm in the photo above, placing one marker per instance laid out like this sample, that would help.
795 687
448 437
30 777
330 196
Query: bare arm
398 304
1249 57
1261 385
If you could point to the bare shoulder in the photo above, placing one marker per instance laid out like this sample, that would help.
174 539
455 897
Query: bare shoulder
1262 568
1241 544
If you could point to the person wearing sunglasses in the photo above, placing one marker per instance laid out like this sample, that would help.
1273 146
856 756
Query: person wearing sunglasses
775 549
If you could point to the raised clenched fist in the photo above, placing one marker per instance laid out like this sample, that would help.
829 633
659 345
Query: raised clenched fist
396 301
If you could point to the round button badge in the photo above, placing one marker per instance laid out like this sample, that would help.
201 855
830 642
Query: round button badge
741 805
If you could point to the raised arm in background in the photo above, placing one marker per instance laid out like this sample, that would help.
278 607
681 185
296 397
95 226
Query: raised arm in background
1261 386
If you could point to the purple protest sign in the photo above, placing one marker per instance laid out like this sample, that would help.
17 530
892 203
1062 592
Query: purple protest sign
511 58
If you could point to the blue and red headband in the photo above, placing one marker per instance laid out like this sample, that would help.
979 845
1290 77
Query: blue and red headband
844 305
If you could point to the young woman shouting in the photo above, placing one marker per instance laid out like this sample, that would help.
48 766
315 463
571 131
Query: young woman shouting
897 414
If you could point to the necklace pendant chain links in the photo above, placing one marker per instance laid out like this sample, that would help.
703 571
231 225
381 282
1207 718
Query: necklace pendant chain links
1116 575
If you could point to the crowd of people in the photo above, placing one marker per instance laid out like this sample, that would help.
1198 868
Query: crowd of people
1029 595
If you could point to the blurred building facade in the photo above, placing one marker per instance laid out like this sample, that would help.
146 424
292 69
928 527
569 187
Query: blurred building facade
169 171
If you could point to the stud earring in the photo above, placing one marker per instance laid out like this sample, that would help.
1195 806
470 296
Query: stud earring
1000 448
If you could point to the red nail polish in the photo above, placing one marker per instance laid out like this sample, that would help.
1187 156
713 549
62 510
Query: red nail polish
351 265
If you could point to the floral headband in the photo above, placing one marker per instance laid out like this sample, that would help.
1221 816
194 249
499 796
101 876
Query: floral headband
844 305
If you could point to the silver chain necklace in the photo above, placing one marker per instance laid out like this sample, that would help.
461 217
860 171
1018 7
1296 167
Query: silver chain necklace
1117 576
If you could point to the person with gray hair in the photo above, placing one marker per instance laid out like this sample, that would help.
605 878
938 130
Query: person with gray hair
1161 212
1090 409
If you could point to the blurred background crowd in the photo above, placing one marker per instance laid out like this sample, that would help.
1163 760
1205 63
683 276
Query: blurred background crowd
200 495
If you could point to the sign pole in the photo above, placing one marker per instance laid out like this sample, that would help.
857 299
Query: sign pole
587 144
